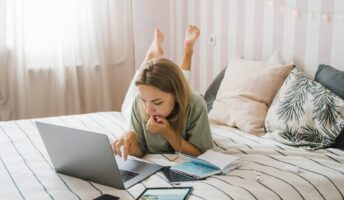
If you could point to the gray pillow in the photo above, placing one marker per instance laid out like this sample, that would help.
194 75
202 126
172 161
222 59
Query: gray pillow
333 80
210 93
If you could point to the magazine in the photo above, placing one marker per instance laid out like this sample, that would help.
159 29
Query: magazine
209 163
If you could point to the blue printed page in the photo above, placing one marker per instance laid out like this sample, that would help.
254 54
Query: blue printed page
214 159
197 160
195 169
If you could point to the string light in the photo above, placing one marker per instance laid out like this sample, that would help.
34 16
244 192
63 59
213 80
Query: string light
296 12
282 8
325 15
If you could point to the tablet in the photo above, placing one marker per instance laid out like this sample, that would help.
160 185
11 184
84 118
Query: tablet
168 193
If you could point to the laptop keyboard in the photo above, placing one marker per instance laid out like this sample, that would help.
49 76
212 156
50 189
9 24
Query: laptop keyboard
127 175
176 177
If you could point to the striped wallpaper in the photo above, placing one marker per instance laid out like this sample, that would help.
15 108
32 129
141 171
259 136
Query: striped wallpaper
306 32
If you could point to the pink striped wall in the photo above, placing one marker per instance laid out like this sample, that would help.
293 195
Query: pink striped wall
249 28
300 32
258 30
326 32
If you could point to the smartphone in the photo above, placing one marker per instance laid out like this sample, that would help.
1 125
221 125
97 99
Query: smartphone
106 197
170 193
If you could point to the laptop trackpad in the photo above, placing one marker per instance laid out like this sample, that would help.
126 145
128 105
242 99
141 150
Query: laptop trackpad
132 165
141 168
127 175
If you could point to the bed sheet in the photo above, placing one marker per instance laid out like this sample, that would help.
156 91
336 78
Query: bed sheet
269 170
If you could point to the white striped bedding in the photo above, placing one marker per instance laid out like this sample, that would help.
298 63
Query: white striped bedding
26 171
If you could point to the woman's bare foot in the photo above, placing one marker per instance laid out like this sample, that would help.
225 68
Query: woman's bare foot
155 50
191 35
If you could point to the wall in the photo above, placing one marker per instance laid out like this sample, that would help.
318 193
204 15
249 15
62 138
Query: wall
306 32
149 15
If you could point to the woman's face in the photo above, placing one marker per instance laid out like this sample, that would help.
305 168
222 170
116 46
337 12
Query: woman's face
156 102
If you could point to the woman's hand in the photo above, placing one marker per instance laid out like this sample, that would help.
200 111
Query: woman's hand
128 144
158 125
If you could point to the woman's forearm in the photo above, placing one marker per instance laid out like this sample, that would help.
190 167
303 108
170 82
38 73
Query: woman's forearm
134 148
185 146
137 152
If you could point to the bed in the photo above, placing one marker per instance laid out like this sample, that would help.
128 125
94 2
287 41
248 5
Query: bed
27 173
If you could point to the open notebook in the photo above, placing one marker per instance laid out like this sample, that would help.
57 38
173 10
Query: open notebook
207 164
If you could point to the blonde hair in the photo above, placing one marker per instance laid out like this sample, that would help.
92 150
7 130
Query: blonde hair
168 77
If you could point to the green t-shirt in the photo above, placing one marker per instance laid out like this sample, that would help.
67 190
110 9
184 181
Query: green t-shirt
197 130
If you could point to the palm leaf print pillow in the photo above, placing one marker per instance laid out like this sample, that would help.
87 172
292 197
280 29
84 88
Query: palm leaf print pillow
304 113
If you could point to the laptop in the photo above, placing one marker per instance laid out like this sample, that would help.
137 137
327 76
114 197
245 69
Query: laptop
89 156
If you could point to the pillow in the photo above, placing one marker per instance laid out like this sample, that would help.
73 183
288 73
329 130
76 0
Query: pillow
333 80
246 93
129 99
304 113
210 93
339 143
277 58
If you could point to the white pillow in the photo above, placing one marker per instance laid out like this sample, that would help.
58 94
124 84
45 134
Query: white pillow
277 58
129 99
246 92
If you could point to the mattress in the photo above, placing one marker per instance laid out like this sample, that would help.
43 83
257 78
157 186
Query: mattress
269 170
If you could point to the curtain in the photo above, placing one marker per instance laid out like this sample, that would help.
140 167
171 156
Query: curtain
61 57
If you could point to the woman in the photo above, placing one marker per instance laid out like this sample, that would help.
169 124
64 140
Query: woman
166 117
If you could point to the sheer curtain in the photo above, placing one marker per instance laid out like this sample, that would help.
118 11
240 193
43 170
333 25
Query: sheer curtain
63 56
